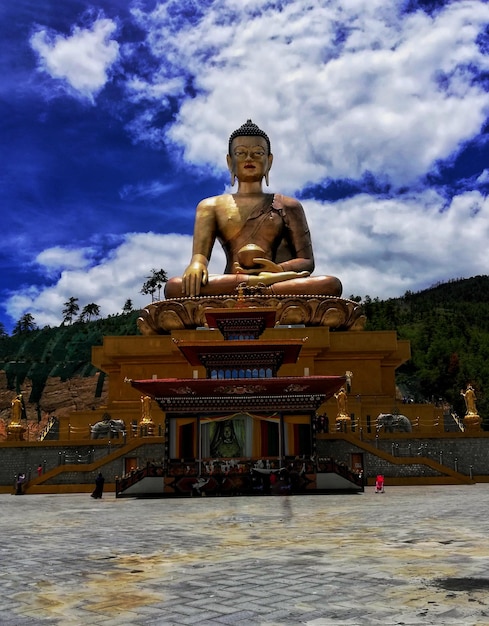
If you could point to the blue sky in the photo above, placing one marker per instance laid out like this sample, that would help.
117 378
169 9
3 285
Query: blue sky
116 114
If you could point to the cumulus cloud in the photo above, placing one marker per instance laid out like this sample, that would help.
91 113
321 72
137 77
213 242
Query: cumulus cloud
383 247
108 282
82 59
59 257
342 88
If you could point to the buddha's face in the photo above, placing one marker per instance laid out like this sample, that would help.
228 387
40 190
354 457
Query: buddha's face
249 159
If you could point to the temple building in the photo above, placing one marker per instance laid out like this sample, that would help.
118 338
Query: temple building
241 429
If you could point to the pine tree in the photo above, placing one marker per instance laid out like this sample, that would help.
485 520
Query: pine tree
25 325
154 283
71 309
89 311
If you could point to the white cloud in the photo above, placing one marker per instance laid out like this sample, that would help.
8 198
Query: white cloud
108 283
58 257
82 59
484 177
384 247
341 87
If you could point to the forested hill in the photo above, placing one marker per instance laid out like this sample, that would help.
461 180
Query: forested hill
447 325
62 352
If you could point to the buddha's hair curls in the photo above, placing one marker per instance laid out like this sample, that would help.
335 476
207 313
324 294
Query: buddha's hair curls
249 129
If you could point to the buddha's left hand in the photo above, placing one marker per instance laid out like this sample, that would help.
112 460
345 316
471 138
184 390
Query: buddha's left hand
270 278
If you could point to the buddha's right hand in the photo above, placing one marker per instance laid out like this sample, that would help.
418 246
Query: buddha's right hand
194 276
260 265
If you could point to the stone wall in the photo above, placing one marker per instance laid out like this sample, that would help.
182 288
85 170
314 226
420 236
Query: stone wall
467 455
26 459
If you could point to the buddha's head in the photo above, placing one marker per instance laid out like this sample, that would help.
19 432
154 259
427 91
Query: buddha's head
227 433
249 157
249 129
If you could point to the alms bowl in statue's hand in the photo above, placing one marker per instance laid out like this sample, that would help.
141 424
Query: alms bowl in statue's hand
247 255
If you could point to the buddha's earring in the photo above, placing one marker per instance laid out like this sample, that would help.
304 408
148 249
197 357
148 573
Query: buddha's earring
233 178
266 180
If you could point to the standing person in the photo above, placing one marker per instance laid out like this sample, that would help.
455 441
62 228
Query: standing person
99 486
19 485
379 484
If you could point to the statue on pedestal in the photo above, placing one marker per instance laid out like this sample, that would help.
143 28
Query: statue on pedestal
265 237
469 397
472 419
146 426
343 418
268 249
15 430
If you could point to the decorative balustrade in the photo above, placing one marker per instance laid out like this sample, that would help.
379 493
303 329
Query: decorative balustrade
237 476
45 431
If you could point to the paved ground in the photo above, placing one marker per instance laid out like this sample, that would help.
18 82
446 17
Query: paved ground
414 555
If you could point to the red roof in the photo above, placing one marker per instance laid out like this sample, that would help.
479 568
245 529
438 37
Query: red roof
214 395
239 352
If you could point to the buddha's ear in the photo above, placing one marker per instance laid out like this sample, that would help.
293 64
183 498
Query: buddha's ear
270 161
231 171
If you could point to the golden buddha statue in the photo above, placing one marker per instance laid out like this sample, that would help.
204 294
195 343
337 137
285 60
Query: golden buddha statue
15 430
269 257
343 418
472 420
16 411
146 425
469 397
265 236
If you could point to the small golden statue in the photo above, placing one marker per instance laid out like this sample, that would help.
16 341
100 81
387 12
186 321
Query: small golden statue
343 418
472 419
15 430
146 426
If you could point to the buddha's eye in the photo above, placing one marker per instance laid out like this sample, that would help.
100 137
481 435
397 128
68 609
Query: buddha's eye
255 154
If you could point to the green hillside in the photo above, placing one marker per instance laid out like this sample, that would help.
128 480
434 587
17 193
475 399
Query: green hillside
63 352
448 327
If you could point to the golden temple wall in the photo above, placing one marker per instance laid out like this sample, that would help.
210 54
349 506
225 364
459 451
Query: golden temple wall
372 357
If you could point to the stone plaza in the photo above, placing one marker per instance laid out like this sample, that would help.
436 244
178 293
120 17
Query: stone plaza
409 556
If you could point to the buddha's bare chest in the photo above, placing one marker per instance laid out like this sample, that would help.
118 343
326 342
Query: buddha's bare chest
234 216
